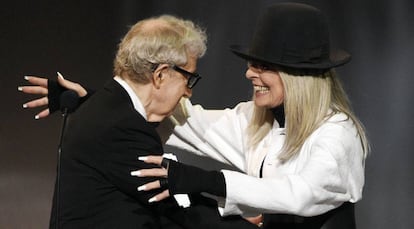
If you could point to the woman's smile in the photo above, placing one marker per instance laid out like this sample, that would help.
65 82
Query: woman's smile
258 90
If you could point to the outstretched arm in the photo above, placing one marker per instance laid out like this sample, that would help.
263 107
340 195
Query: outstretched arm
50 90
178 178
333 173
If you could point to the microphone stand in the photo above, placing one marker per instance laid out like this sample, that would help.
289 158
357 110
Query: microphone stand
68 102
62 131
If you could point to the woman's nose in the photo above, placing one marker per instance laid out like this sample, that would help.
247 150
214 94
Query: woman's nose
250 74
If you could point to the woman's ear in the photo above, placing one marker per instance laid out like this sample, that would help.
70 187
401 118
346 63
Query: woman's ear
157 75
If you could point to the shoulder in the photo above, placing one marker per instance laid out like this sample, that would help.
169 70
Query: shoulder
337 134
339 123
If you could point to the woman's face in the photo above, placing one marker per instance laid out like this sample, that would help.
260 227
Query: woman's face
267 85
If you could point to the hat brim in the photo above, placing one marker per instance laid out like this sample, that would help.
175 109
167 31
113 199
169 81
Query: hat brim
336 58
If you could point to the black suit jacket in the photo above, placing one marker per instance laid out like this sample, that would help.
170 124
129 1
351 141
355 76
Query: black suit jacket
101 146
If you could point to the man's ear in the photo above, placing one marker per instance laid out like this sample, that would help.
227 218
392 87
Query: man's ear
157 75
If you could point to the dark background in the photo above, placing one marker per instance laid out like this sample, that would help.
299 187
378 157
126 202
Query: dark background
79 39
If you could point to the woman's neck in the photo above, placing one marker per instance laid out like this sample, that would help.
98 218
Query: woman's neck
279 114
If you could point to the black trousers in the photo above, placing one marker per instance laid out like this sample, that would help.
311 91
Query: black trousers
342 217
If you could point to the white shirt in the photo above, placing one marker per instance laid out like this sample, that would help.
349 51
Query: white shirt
135 99
328 171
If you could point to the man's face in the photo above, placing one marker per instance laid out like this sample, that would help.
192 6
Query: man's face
174 87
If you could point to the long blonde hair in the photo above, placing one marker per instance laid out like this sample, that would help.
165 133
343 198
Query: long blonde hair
307 100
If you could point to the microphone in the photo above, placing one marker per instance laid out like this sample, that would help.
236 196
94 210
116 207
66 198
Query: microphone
69 100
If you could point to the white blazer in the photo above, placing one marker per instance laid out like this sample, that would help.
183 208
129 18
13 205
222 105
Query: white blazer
328 171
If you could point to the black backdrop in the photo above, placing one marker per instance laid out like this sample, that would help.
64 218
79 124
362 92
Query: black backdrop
79 38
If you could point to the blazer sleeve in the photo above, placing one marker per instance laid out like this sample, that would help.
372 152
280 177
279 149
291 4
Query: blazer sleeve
122 144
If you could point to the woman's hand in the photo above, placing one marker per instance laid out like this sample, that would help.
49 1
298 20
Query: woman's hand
39 86
162 173
256 220
39 89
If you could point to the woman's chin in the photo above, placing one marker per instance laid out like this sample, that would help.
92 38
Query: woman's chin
260 103
266 104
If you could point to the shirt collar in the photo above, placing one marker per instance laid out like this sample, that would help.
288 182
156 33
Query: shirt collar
135 99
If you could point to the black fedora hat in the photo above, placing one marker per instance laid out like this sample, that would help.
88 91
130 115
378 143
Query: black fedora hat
293 36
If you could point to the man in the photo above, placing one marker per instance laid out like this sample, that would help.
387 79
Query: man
102 142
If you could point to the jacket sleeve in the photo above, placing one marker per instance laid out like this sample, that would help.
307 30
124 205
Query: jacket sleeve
122 145
218 134
332 173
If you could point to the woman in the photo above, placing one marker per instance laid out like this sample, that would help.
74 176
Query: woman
301 148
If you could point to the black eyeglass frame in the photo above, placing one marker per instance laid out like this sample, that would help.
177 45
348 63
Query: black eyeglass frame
192 77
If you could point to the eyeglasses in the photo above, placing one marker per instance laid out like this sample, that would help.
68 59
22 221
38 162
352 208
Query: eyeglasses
192 77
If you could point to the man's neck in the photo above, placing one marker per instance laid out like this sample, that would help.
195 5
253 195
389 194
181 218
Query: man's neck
144 93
